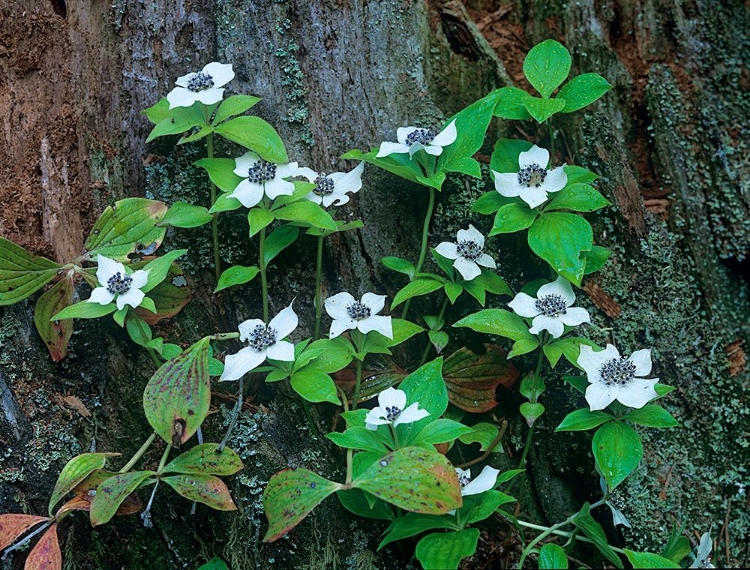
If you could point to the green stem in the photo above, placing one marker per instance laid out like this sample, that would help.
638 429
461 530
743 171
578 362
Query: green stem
349 452
551 132
138 454
429 344
153 356
214 221
318 290
308 415
395 438
549 531
490 448
530 435
263 279
357 384
423 249
564 534
164 457
225 336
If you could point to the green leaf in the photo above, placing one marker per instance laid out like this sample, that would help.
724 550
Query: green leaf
399 164
482 433
510 104
531 412
85 310
315 386
651 416
546 66
234 105
168 297
112 492
225 203
453 290
236 275
201 488
512 218
202 132
582 90
130 226
173 126
596 258
552 557
562 239
138 329
324 355
257 135
215 563
441 431
157 112
490 202
206 459
178 395
505 154
413 479
120 314
22 274
578 382
439 340
579 174
678 546
543 109
584 419
259 218
279 239
479 507
426 386
649 560
593 530
475 289
221 172
55 333
498 321
289 496
578 197
358 437
418 287
617 450
184 215
306 213
75 471
158 269
358 502
445 551
399 265
523 346
413 524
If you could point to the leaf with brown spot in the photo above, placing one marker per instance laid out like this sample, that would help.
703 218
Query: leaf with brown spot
177 397
290 496
112 492
205 489
75 471
12 526
169 297
86 490
46 553
380 373
206 459
55 334
414 479
472 379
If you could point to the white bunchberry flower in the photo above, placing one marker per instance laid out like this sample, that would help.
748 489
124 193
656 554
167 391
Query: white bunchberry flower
348 313
331 189
413 139
262 177
702 556
468 252
263 342
205 86
392 410
551 309
613 378
533 181
117 284
483 482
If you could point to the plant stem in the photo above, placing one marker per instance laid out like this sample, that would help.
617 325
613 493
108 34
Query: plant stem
564 534
395 438
493 445
139 453
349 452
551 131
530 435
235 413
214 221
225 336
318 291
27 538
308 415
263 279
429 344
357 384
164 457
153 356
425 236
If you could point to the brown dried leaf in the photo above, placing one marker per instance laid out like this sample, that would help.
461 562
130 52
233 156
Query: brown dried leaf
46 554
55 334
602 299
737 358
12 526
74 403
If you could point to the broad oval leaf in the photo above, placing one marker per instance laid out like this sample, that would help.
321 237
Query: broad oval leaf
582 90
21 273
649 560
543 109
201 488
592 529
255 134
414 479
236 275
184 215
552 557
315 386
234 105
279 239
46 553
418 287
399 265
112 492
290 496
511 218
359 503
127 227
411 524
583 419
562 240
13 526
472 379
425 386
479 507
546 66
510 104
499 322
207 459
178 395
306 213
578 197
169 297
651 415
444 551
617 450
55 333
221 173
74 472
84 310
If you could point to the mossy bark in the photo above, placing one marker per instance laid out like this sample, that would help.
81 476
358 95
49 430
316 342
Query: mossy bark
335 76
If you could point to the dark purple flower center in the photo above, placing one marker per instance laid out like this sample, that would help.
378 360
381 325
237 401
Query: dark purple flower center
119 283
532 175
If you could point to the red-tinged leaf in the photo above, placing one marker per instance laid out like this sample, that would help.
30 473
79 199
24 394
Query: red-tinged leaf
380 373
55 334
205 489
74 472
290 496
472 379
178 395
169 296
46 554
86 490
112 492
206 459
12 526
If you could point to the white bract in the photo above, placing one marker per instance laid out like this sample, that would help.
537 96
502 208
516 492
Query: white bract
205 86
262 177
483 482
263 342
533 182
331 189
348 313
468 253
552 308
392 410
702 556
414 139
117 284
613 378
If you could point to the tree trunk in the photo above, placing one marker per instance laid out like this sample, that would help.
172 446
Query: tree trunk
340 75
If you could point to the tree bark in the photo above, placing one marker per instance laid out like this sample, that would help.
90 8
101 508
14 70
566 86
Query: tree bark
668 142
